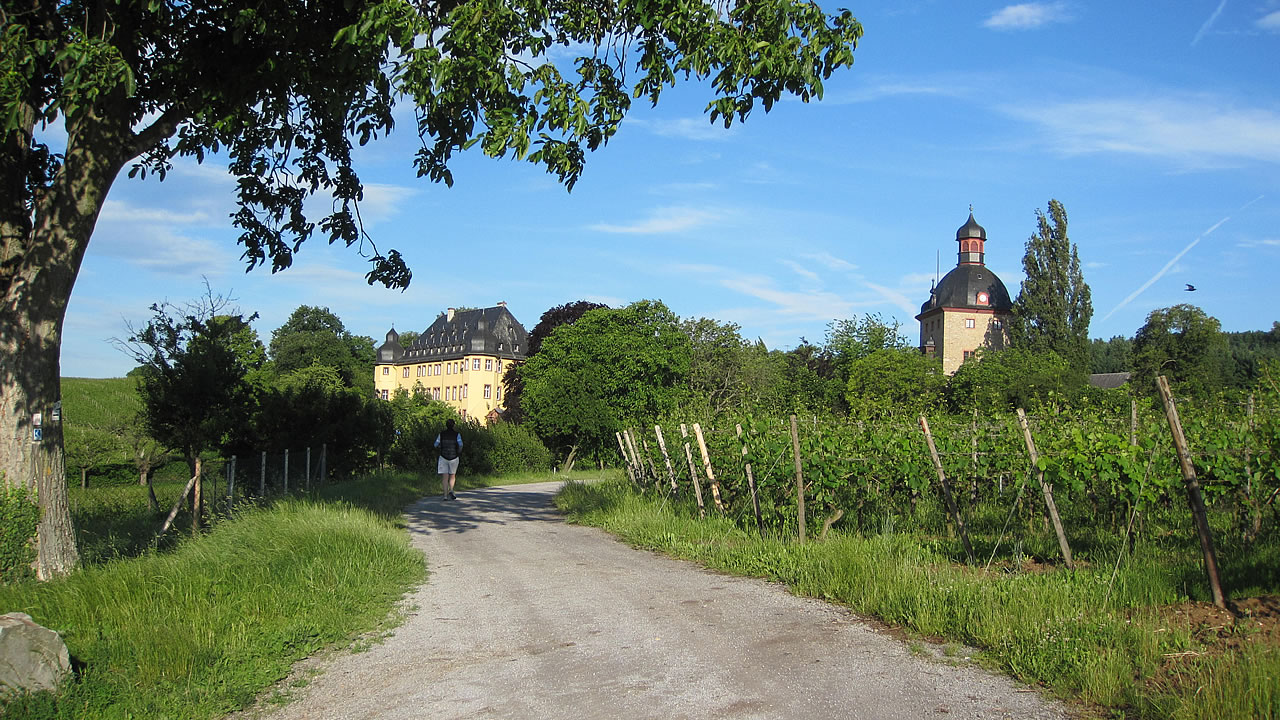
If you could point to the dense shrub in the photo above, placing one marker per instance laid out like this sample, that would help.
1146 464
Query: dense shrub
19 516
517 449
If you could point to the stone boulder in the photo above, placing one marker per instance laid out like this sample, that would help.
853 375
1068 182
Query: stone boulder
32 657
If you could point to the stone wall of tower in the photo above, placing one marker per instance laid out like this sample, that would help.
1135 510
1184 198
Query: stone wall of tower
955 337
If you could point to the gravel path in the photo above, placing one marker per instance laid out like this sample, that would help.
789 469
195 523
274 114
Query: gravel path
524 616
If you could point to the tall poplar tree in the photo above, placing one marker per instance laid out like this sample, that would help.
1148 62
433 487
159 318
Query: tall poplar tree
1053 308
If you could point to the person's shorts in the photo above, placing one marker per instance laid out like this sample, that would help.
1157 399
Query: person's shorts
447 467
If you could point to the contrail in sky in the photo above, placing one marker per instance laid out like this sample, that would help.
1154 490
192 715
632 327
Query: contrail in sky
1175 259
1209 23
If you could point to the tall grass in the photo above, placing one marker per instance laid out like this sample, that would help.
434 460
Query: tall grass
1060 629
202 630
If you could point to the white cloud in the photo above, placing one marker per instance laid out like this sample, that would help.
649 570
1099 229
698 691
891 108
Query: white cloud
122 212
831 261
1270 22
1261 242
689 128
662 221
161 250
1200 131
381 201
802 271
1027 16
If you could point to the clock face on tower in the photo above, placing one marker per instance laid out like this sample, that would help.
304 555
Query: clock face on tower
983 298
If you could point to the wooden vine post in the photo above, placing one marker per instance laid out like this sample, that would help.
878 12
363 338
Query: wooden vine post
795 450
662 445
946 491
653 471
1046 490
693 471
1193 491
706 465
626 461
751 482
635 456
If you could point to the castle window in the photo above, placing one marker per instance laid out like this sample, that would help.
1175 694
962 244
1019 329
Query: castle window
386 371
488 391
488 363
406 372
384 394
475 364
968 355
499 393
464 392
968 322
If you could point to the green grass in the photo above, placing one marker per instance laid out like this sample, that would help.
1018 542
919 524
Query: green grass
203 629
1049 628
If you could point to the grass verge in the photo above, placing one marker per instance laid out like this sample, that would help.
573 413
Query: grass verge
202 630
1055 629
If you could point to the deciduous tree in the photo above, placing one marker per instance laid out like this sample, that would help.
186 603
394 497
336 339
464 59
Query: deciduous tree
551 319
315 336
1184 344
285 89
608 369
193 382
1054 305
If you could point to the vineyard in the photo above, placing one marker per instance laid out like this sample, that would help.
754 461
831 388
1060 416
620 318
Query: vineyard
984 489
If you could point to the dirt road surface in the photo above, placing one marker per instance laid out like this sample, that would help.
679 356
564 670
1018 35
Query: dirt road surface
524 616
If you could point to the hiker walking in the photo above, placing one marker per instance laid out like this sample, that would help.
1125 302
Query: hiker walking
449 443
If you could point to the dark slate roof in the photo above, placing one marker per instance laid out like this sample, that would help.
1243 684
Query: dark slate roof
487 331
971 229
960 287
1109 381
390 351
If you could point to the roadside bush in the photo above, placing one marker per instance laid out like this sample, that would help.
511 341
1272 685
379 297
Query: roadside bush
517 449
414 446
19 516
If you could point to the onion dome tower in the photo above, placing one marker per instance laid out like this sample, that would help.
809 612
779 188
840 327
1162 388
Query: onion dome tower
969 308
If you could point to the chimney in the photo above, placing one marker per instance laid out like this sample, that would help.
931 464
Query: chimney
502 303
449 315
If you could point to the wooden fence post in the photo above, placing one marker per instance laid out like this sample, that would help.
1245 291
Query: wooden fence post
795 449
626 461
1046 490
324 464
197 499
662 445
1194 498
751 481
711 473
693 472
286 471
262 477
307 481
973 449
231 483
946 490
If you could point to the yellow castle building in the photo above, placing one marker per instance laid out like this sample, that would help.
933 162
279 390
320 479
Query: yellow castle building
968 309
459 360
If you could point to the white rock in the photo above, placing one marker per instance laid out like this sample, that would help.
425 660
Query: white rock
32 657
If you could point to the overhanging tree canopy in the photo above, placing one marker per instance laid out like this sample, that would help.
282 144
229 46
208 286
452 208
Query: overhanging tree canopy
284 89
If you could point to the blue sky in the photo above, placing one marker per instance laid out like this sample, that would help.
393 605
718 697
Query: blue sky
1157 126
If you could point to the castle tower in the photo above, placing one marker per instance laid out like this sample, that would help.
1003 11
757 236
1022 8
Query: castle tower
969 308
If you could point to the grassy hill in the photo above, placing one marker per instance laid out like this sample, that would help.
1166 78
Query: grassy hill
98 416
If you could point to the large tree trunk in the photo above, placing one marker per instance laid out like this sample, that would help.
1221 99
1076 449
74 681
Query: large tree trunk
40 256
